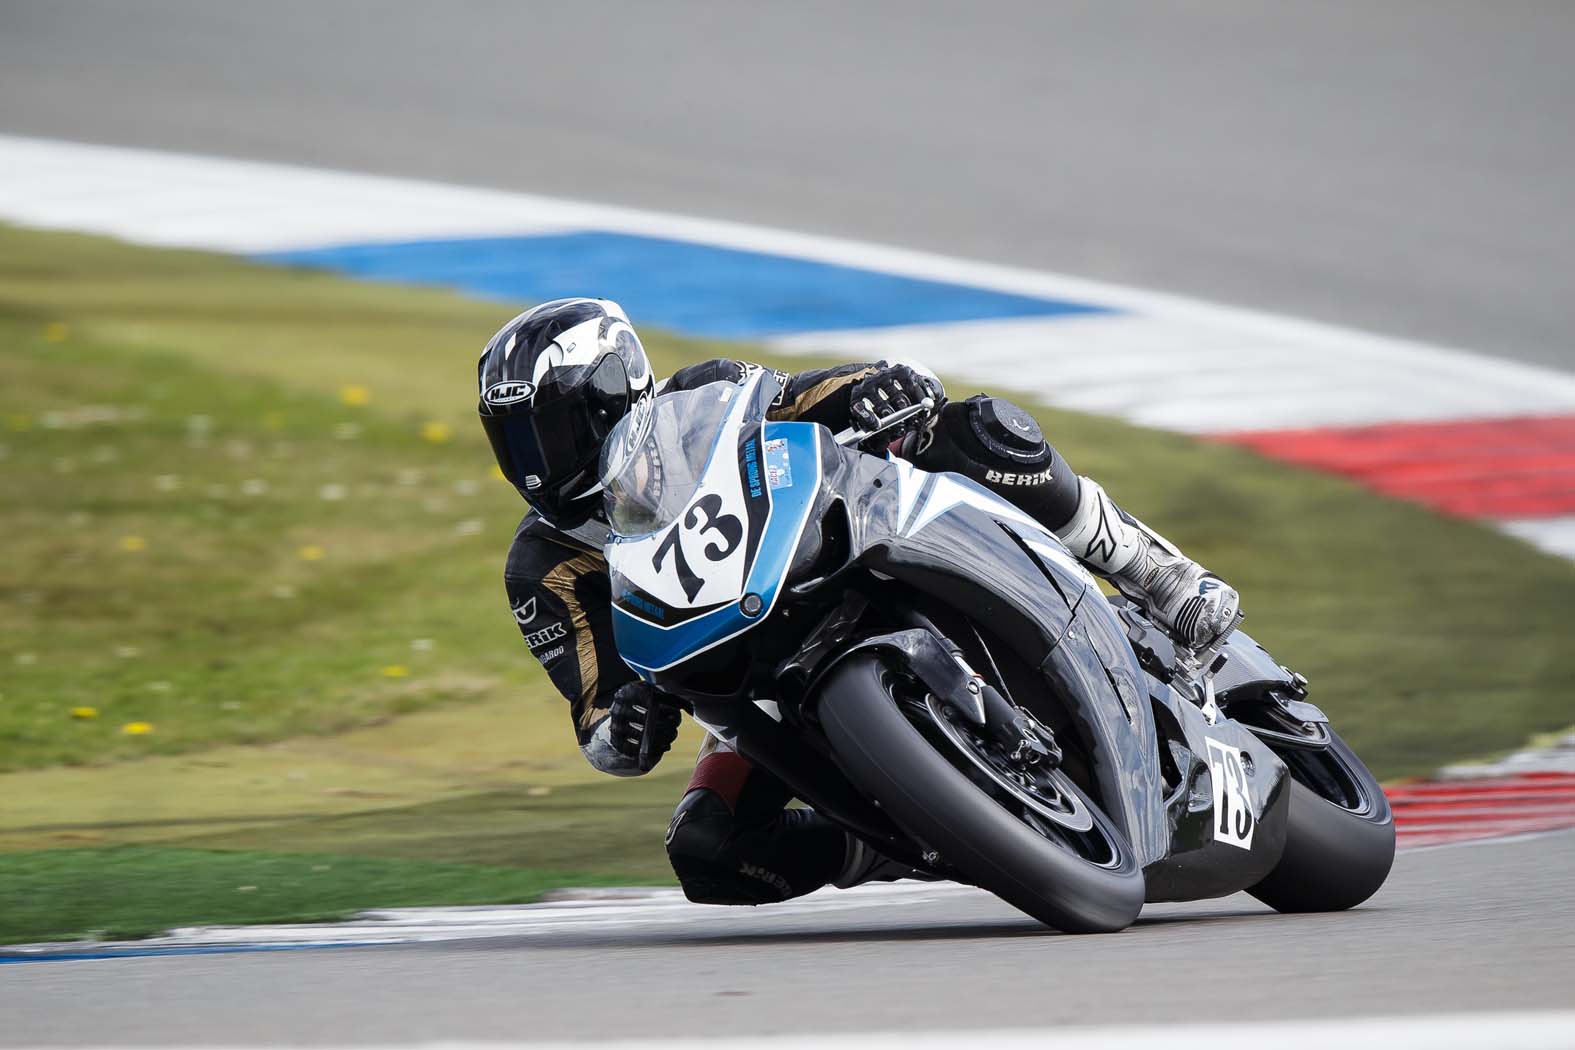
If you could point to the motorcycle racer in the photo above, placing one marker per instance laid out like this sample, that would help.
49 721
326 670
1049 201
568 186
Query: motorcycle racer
555 380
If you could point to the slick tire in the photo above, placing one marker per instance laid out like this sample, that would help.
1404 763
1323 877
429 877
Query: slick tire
929 798
1334 858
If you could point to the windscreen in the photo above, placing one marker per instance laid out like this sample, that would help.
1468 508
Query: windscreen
654 457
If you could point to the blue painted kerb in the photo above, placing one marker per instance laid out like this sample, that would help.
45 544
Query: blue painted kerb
89 953
685 287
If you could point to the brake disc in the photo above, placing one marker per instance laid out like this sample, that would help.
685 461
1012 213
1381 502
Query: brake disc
1075 816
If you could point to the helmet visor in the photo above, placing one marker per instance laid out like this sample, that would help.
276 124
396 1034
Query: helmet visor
550 449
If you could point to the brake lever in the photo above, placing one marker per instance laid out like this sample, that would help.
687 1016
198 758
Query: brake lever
855 436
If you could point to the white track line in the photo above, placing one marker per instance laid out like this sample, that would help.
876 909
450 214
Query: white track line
1551 1030
590 910
648 907
1554 535
1177 363
1201 371
1165 361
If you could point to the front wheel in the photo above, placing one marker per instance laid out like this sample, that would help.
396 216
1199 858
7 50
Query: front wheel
1060 860
1340 839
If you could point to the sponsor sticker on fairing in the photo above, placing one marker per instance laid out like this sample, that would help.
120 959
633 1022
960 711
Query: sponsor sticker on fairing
779 466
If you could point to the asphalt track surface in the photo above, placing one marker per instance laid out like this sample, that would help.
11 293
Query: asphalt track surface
1459 929
1402 167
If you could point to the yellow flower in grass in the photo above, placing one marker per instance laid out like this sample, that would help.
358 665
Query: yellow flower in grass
396 671
137 728
312 552
436 432
355 394
56 332
133 544
84 713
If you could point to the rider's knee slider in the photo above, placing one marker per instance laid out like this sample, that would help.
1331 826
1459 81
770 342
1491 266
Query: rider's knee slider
701 845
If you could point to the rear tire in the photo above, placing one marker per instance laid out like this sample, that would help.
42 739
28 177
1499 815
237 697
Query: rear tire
1336 855
931 799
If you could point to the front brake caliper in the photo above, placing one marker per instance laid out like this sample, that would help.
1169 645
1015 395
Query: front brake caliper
1023 739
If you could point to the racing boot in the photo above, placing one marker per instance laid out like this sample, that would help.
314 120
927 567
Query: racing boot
1195 606
866 864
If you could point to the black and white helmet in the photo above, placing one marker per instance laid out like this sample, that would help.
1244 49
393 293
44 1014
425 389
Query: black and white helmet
553 383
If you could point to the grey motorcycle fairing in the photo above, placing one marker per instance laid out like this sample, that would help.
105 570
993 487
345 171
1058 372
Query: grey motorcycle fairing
970 552
1198 865
983 558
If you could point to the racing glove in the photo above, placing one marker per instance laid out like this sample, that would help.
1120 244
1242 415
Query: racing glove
892 389
640 728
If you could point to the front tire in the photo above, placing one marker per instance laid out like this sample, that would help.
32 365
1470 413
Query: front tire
935 802
1340 838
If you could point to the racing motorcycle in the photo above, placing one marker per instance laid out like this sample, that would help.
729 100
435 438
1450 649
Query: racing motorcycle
927 665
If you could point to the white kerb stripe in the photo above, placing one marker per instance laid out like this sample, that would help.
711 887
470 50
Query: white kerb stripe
1173 362
1500 1031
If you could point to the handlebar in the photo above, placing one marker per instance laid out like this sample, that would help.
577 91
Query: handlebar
855 436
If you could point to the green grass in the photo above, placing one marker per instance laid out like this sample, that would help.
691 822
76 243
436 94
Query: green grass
377 700
609 826
134 891
224 567
191 407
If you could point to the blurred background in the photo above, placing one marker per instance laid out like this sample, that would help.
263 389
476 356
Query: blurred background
256 664
1392 168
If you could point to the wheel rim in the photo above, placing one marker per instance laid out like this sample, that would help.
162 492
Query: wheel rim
1316 761
1327 774
1049 802
1039 793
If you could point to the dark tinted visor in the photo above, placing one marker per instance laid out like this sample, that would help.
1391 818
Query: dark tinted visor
550 449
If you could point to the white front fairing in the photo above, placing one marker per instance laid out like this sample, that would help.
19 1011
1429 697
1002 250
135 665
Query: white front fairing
701 534
707 511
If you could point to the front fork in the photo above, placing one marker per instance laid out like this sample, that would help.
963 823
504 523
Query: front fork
940 665
1023 739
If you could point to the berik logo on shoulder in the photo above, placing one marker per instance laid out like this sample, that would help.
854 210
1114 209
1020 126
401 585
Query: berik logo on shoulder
509 393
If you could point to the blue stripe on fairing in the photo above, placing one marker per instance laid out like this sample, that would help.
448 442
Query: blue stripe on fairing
97 954
646 647
693 289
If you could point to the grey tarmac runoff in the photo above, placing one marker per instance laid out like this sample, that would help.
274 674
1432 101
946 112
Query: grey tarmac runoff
1485 928
1400 167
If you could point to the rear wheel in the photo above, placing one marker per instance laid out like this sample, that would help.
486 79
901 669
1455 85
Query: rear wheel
1030 837
1340 839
